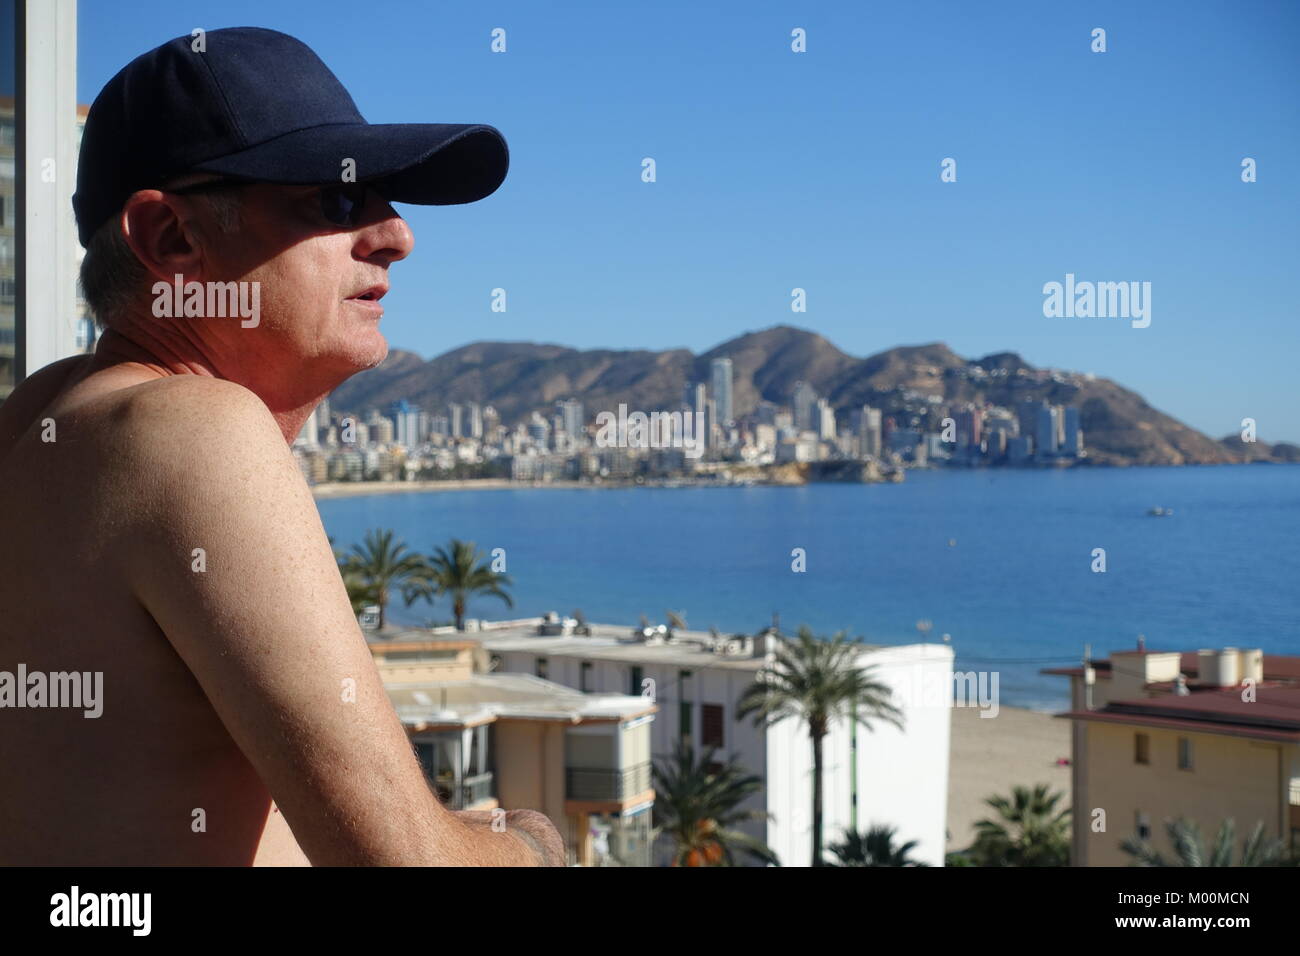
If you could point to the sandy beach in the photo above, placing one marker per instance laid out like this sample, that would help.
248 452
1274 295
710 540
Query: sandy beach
352 489
991 755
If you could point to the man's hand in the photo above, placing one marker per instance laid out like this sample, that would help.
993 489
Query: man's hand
535 830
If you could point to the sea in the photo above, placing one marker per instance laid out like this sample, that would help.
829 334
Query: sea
1005 565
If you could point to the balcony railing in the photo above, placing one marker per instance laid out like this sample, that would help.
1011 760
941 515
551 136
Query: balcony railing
471 790
477 788
601 783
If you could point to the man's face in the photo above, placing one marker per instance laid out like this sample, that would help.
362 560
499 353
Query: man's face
312 275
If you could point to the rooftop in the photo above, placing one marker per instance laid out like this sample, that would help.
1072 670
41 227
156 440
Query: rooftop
609 642
487 697
1273 714
1277 667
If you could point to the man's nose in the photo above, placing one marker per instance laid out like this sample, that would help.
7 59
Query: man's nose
387 236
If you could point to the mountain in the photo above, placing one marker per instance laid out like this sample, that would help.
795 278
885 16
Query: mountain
911 383
1260 451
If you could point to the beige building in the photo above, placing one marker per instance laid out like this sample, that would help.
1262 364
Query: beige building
1206 735
517 741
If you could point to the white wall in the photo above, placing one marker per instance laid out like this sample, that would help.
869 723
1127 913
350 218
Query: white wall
902 776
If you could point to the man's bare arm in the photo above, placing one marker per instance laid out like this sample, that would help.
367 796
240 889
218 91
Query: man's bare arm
268 631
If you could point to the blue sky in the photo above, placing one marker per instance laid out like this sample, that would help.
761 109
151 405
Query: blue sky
821 170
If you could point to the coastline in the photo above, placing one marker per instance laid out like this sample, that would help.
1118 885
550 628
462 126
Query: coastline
354 489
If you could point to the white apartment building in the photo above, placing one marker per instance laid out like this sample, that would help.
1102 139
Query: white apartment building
883 776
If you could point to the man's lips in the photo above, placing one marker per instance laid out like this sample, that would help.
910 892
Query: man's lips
368 299
372 294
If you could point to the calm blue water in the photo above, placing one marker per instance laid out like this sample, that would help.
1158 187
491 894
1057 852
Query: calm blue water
1015 591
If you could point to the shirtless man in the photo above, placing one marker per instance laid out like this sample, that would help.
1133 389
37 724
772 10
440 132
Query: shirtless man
222 669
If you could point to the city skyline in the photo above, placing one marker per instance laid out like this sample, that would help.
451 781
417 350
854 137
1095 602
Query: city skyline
821 171
808 418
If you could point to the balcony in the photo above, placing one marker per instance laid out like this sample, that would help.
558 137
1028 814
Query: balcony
470 791
604 784
476 789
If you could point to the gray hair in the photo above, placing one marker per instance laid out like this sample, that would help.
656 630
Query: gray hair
112 276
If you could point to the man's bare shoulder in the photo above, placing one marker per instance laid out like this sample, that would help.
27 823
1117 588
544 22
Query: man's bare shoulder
187 421
33 395
213 404
187 445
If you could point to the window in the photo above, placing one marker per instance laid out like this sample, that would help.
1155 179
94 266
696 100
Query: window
686 730
541 668
711 731
584 675
1141 748
424 753
1184 753
635 689
1143 826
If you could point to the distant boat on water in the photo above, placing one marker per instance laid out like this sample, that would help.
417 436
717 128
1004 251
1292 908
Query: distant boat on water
1159 512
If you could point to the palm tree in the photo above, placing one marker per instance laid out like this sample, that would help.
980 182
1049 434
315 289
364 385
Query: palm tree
361 593
817 682
874 848
374 569
697 807
1028 831
1189 847
461 570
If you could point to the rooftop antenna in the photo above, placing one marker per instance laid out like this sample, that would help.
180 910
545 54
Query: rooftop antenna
1089 676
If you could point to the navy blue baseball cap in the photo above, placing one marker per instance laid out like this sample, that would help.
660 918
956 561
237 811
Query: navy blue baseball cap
259 105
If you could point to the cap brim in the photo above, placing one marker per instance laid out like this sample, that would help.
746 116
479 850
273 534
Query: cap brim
429 164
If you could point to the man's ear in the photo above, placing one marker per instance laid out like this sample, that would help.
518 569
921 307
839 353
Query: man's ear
161 239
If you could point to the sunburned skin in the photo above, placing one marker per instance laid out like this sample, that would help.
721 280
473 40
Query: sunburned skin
223 737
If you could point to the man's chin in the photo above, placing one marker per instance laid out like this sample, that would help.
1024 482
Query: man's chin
367 351
379 354
359 355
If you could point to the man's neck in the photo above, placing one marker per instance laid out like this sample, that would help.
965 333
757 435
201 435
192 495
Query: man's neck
290 407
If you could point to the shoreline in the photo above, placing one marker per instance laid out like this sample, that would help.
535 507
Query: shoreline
355 489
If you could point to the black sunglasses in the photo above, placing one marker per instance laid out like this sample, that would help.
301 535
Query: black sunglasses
341 204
